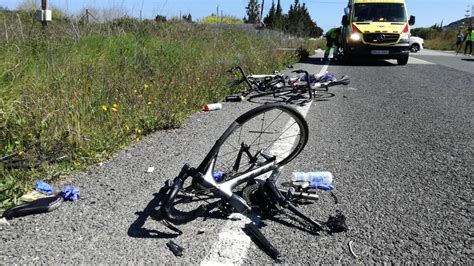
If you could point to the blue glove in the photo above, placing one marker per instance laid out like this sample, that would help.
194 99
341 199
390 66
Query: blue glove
322 187
42 186
70 193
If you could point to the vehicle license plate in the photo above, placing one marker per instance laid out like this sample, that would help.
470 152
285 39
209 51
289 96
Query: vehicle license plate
379 51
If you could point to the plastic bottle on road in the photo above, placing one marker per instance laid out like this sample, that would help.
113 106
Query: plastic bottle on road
320 179
212 107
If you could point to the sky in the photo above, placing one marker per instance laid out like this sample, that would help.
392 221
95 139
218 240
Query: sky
326 13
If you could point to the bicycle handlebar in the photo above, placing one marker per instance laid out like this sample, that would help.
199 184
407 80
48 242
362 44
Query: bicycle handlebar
171 214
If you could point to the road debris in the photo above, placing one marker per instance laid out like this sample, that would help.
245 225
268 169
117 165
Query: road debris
351 250
70 193
32 196
4 221
212 107
175 248
42 186
150 169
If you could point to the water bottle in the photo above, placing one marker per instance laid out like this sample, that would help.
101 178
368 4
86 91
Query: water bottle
212 107
320 179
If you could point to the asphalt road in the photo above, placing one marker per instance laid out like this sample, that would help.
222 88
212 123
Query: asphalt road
398 140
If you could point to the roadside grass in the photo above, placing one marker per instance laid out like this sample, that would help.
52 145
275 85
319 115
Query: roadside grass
79 93
437 39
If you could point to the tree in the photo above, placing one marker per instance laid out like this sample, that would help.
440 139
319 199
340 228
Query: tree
253 12
160 18
279 18
269 19
188 18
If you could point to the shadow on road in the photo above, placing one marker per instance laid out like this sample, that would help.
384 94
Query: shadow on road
136 229
357 62
468 59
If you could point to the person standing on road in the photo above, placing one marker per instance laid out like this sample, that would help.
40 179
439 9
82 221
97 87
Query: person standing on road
469 38
333 37
459 40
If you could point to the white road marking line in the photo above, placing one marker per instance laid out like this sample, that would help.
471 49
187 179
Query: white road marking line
415 61
233 243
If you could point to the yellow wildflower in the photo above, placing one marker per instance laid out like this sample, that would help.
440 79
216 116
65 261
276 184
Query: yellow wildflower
137 139
127 128
114 109
115 105
146 86
21 153
104 107
149 103
138 131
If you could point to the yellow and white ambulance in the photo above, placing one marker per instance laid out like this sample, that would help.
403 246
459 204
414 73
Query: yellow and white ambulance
376 29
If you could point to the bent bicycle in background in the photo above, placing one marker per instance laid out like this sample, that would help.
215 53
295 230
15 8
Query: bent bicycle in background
299 88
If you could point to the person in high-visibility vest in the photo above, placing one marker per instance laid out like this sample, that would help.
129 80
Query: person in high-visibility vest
333 38
469 39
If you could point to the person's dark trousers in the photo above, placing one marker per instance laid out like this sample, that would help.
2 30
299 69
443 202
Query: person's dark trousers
468 44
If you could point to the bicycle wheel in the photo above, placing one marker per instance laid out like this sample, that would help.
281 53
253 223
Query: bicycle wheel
272 130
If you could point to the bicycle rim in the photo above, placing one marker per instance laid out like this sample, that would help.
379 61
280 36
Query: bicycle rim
274 130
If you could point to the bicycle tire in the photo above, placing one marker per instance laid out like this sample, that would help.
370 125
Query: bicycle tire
284 122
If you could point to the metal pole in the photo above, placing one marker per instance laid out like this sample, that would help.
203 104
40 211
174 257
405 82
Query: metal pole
44 6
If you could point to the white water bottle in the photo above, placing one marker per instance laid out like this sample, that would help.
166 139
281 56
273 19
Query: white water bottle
319 179
212 107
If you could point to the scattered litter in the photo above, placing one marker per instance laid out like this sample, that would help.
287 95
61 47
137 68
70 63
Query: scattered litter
32 196
234 98
175 248
42 186
70 193
212 107
351 250
336 200
4 221
150 169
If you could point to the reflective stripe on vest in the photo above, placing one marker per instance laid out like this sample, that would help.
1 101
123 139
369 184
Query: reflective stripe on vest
470 36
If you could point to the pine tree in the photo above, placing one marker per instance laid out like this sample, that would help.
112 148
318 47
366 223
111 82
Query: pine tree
253 12
279 18
269 20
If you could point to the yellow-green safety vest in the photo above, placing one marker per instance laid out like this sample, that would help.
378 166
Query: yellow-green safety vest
470 36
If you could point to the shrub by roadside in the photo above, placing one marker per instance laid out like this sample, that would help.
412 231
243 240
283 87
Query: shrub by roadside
67 101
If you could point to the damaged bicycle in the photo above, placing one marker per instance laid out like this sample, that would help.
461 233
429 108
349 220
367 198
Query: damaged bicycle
240 174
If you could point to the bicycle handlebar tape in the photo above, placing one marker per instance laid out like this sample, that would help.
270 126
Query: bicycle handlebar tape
175 216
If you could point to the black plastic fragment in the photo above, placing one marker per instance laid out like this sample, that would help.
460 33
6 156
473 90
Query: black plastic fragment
175 248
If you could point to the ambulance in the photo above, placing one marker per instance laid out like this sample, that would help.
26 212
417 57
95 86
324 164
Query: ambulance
376 29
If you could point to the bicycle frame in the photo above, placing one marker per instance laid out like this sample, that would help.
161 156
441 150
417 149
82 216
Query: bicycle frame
225 189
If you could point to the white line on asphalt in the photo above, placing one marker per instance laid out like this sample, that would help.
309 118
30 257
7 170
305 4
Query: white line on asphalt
415 61
233 243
